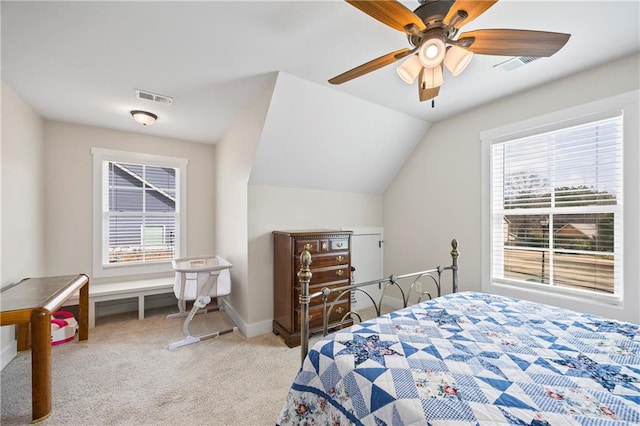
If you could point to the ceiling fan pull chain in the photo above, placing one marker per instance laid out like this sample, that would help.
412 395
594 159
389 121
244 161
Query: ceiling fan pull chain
433 83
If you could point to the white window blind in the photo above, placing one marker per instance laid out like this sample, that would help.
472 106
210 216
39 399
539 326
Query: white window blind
139 213
557 208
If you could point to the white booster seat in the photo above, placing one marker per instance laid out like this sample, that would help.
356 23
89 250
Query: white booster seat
199 279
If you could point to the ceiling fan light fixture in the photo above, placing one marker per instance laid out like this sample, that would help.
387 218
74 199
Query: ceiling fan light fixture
409 69
143 117
457 59
432 52
432 77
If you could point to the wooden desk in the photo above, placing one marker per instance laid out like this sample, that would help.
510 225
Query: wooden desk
32 301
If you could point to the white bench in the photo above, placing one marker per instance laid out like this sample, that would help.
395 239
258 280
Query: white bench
124 290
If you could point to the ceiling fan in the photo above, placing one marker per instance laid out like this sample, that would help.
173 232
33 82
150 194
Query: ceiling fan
432 30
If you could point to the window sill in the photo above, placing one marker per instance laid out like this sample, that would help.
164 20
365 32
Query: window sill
558 293
101 271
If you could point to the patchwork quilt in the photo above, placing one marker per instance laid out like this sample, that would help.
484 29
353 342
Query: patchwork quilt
472 359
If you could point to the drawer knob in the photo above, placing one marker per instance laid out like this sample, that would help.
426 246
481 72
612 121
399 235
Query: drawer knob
339 244
324 246
339 309
339 272
340 258
308 247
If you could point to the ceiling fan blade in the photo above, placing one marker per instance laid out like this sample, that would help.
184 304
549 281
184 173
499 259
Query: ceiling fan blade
515 42
390 13
473 9
426 93
373 65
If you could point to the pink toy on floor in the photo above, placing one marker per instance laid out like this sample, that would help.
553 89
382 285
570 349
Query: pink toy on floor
63 327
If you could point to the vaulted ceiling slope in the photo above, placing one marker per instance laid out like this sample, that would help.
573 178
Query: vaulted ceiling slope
324 139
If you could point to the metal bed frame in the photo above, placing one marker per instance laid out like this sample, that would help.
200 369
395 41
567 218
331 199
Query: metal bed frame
304 277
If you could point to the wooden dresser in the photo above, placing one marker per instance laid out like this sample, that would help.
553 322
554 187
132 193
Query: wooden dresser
331 267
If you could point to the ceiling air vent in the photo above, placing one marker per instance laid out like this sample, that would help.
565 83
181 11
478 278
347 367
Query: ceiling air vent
513 63
153 97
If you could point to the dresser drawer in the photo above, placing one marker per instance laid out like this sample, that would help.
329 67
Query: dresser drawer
316 288
339 244
316 312
323 261
321 245
326 275
312 246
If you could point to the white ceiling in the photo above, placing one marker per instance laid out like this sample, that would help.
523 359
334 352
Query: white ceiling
80 62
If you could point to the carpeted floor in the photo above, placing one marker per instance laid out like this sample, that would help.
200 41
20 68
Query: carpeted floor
126 375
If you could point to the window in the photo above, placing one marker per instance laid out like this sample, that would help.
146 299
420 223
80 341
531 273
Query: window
138 225
557 205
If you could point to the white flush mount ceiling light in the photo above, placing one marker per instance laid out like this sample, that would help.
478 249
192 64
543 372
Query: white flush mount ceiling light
457 59
432 52
143 117
409 69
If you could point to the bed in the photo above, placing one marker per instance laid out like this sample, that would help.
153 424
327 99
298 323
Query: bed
470 358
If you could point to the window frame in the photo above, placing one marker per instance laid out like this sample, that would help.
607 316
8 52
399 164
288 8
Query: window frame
625 104
100 196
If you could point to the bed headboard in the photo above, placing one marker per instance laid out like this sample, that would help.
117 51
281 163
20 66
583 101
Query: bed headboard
305 275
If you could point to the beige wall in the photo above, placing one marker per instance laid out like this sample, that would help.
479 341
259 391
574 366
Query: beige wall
69 191
235 154
274 208
22 200
437 194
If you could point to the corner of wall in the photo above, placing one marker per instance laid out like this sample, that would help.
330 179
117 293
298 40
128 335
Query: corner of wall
235 155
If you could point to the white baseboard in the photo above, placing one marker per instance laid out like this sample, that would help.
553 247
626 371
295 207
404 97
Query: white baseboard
249 330
260 328
9 351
